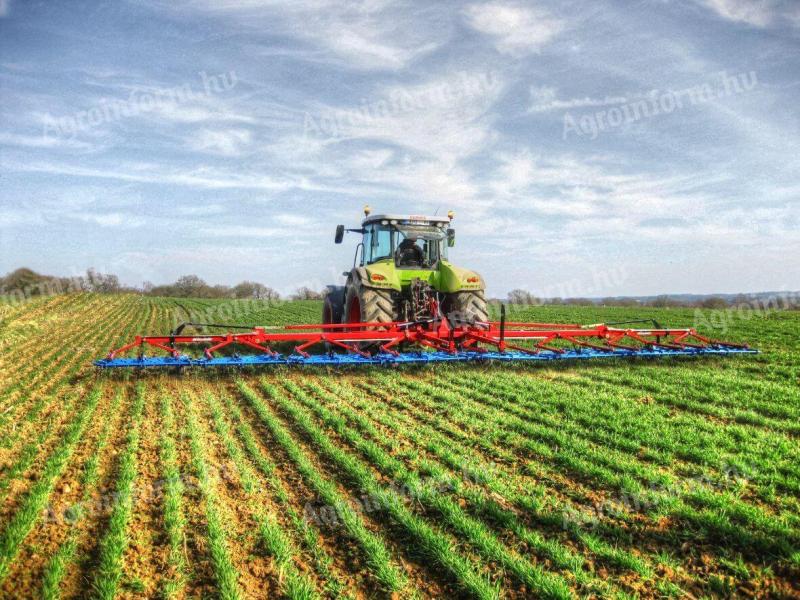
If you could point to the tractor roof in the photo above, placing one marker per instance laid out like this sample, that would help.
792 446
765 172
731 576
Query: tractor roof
405 219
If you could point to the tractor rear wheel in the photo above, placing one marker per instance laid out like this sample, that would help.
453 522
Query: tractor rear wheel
467 306
368 305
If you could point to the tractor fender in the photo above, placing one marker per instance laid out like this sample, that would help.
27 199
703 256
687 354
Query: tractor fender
455 279
379 276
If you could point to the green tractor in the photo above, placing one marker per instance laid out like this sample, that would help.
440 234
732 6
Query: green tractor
401 273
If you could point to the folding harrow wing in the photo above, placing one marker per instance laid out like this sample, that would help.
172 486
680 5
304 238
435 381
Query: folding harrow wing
440 340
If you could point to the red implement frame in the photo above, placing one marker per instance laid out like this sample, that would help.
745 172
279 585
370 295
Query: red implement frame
440 335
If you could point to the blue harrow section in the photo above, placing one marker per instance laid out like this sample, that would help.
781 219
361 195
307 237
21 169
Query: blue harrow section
408 358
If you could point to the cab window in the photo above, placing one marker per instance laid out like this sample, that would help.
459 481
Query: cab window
378 243
429 249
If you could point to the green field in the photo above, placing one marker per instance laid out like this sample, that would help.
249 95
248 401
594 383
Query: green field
678 478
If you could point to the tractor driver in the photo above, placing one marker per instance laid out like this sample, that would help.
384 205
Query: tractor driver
408 253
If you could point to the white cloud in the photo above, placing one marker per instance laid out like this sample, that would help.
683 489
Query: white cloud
414 147
584 187
199 210
199 177
359 44
753 12
111 220
292 220
758 13
594 200
432 181
183 113
5 7
793 14
516 29
245 231
42 141
443 116
371 34
370 159
224 142
544 99
20 217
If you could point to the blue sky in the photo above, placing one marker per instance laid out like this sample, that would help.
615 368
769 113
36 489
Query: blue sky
588 148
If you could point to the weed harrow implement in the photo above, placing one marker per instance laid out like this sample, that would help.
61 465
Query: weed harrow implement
436 340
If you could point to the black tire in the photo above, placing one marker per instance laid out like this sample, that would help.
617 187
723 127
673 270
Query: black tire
467 307
333 306
367 305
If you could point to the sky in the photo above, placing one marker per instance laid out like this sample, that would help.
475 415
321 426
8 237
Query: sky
587 148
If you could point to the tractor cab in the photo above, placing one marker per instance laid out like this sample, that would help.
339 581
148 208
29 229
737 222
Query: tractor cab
408 242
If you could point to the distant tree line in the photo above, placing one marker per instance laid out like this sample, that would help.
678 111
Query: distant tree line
192 286
523 297
26 283
30 283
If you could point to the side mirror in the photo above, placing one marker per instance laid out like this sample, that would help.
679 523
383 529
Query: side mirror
339 234
451 238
